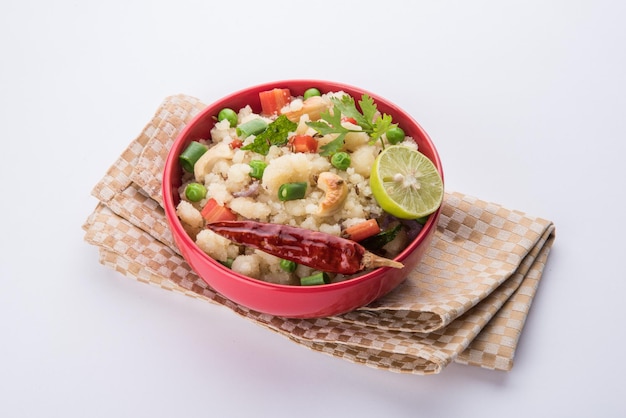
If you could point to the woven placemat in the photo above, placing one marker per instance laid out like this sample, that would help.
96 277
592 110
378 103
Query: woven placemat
467 301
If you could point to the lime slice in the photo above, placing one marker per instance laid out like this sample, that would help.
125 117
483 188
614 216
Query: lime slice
405 183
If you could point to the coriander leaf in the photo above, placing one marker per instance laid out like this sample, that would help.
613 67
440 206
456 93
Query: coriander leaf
347 108
322 127
334 118
277 133
259 145
369 108
330 124
381 126
333 146
369 119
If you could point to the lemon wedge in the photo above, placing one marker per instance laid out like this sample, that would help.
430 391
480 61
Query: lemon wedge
405 183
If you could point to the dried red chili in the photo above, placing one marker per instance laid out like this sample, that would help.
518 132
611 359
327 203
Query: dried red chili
314 249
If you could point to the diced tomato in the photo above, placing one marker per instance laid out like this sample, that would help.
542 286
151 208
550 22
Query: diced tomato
303 143
274 100
214 212
351 120
236 143
360 231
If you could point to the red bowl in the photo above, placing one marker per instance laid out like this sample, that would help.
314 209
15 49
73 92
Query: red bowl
285 300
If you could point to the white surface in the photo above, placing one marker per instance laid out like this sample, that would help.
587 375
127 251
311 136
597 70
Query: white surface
526 101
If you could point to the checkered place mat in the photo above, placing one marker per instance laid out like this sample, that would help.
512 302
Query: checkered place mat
467 301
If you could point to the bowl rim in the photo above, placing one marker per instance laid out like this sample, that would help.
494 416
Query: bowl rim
175 223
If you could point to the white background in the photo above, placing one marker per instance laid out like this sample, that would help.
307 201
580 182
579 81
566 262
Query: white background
526 101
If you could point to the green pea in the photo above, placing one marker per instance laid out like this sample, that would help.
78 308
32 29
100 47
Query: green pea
340 160
311 92
288 265
395 135
228 114
195 192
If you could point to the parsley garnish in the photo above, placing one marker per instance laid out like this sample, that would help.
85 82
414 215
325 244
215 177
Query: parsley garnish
370 121
277 133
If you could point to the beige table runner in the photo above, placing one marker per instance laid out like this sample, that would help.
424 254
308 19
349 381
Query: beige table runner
467 301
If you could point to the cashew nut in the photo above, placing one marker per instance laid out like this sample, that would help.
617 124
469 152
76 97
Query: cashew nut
313 106
205 163
336 191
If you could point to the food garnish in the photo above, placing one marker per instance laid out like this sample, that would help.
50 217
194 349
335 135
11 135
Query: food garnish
405 183
276 133
318 250
369 119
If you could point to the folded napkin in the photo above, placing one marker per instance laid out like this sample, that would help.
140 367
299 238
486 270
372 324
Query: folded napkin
467 301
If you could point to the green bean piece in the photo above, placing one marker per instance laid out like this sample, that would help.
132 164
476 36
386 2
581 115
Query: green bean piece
288 265
195 192
315 279
252 127
341 160
311 92
228 114
257 168
292 191
228 263
395 135
191 154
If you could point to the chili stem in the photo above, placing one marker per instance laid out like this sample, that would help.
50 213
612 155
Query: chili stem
371 260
